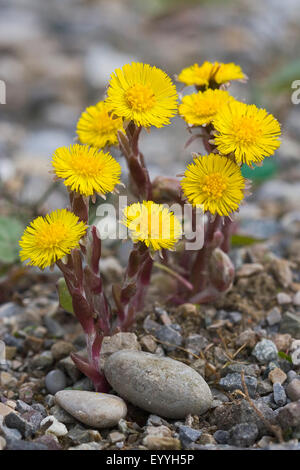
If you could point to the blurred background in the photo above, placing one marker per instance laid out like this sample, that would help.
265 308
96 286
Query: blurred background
56 58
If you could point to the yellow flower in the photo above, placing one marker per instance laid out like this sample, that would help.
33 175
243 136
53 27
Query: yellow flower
214 182
208 73
248 132
98 127
152 224
48 239
86 170
201 108
143 94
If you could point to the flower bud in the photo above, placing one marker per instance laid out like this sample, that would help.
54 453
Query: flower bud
221 270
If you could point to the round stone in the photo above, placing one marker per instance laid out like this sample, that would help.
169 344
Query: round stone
98 410
55 381
265 351
159 385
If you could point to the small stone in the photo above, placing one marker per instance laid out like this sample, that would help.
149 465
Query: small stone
84 384
199 366
243 435
265 351
151 326
163 316
249 369
291 375
159 431
51 426
249 269
235 317
19 444
49 400
4 410
61 349
159 385
277 375
10 434
34 344
53 327
61 415
154 420
282 271
283 298
161 443
187 310
117 342
90 446
295 356
42 361
50 441
22 407
7 380
16 421
290 324
40 409
80 435
195 343
222 437
55 381
148 343
91 408
274 316
232 382
265 441
289 415
206 439
169 337
279 394
68 366
228 415
2 443
116 437
293 390
264 387
10 352
247 337
10 309
188 435
2 351
282 341
296 299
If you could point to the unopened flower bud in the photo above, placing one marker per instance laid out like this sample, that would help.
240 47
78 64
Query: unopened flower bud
221 270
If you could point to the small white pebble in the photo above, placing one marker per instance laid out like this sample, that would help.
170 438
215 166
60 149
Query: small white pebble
283 298
296 299
56 428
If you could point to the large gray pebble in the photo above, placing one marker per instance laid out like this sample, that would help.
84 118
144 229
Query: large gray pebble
159 385
98 410
55 381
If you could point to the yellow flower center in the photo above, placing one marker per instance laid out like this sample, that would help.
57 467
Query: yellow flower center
52 235
214 185
85 167
140 97
246 130
106 124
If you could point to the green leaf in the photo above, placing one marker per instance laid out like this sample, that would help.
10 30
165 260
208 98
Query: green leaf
64 295
11 230
244 240
260 173
282 355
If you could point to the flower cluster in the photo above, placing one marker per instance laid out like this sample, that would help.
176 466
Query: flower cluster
234 133
140 96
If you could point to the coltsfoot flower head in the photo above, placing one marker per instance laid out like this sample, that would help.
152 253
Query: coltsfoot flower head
153 224
214 182
210 73
97 126
86 170
143 94
48 239
248 132
202 107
